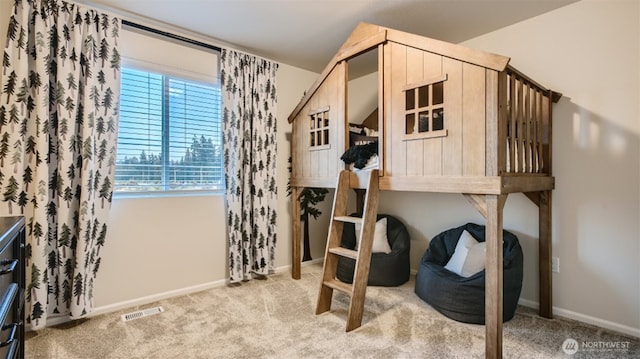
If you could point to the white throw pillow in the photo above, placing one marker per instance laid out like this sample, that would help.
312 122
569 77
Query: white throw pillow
469 256
475 260
380 241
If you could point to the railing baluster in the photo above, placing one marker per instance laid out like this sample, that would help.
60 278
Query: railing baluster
527 129
534 140
512 122
520 127
541 133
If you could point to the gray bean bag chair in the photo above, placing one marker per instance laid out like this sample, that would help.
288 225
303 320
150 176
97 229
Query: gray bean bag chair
462 298
386 269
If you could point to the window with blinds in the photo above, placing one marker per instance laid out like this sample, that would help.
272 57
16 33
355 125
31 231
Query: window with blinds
170 136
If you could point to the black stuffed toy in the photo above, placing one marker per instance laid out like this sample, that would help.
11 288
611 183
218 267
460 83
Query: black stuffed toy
360 154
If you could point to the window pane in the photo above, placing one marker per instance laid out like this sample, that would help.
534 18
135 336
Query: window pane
138 164
195 145
410 100
410 123
423 96
438 119
169 134
423 122
438 93
319 134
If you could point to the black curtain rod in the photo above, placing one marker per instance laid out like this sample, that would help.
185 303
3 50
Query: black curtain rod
170 35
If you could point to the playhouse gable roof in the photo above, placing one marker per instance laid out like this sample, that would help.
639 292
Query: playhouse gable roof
367 36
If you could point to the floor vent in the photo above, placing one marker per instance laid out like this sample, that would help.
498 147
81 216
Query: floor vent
141 313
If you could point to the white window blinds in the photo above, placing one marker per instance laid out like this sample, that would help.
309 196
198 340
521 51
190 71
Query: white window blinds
170 131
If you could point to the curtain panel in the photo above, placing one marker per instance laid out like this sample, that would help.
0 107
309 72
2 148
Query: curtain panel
58 133
249 104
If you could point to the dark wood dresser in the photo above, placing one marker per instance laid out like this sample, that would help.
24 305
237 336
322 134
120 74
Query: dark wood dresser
12 285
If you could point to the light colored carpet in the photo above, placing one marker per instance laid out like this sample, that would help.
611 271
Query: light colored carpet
274 318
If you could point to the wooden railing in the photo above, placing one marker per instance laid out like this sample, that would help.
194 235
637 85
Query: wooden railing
528 125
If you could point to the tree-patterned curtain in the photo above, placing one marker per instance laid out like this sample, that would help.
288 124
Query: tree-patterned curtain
58 126
249 132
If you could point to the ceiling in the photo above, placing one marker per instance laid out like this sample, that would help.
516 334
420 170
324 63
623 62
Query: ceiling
307 33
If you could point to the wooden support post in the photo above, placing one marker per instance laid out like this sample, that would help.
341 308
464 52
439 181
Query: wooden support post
493 283
295 232
544 254
542 199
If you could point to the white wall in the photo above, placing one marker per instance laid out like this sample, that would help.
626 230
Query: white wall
158 245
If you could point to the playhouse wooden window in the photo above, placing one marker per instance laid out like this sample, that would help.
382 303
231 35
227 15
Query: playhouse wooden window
319 128
424 109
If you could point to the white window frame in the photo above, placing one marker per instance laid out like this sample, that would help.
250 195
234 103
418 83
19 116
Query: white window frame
144 52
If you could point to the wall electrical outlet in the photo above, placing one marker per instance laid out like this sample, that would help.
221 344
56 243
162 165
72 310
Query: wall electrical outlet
555 265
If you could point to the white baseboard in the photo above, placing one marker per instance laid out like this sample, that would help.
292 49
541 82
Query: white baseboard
602 323
52 321
156 297
57 320
287 268
313 261
178 292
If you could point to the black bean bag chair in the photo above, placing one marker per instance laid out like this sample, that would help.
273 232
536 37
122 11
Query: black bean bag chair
386 269
461 298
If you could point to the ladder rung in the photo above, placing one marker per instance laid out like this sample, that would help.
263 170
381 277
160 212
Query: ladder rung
348 219
344 252
339 285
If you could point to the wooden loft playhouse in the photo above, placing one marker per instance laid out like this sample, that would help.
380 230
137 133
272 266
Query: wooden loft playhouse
449 119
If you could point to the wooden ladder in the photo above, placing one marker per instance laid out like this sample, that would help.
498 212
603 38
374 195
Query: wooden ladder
362 255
